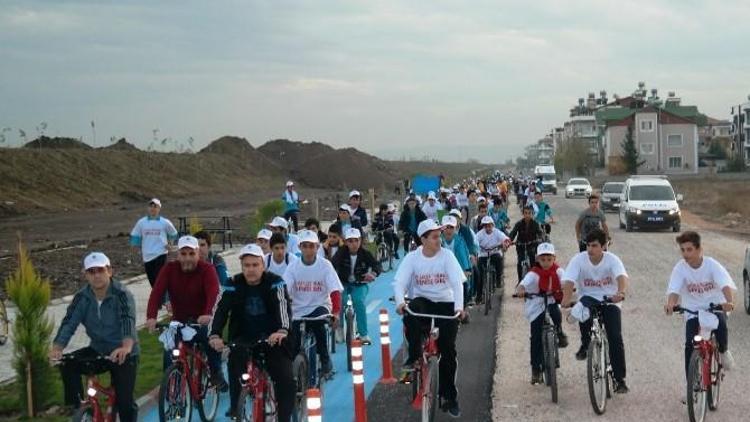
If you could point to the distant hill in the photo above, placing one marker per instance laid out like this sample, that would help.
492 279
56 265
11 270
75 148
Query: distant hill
122 145
56 143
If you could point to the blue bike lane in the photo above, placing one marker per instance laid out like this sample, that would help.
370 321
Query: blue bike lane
338 393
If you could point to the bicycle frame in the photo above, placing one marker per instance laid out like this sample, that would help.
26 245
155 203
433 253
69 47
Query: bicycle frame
256 380
193 362
94 389
308 350
705 348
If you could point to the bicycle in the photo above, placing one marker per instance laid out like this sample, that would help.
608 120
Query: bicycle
90 409
488 287
350 327
424 378
550 347
307 368
525 260
385 251
257 399
705 370
187 382
4 323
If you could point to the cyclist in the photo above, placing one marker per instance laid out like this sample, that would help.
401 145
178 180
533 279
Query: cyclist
455 243
280 225
383 225
357 212
499 215
490 238
434 279
411 217
333 242
315 290
591 218
471 242
263 239
153 234
204 250
431 207
527 235
697 281
291 204
278 259
544 277
356 267
346 220
107 311
313 224
193 287
257 308
476 221
542 210
597 274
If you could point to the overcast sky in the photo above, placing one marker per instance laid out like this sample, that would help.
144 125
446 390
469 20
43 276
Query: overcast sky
448 79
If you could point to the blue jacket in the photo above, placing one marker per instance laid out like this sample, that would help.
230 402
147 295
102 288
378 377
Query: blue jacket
106 325
460 250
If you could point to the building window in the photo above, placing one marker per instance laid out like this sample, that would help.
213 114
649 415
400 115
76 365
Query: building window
647 125
674 140
675 162
647 148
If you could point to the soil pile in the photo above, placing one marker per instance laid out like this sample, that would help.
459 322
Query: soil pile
122 145
56 143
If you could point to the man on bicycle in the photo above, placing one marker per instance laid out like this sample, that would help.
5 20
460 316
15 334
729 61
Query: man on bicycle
542 211
491 244
383 225
257 308
527 235
543 278
107 311
434 279
153 234
315 290
590 219
696 282
193 287
411 217
598 274
356 267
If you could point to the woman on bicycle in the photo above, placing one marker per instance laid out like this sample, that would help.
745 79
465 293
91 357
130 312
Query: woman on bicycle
491 244
543 278
697 282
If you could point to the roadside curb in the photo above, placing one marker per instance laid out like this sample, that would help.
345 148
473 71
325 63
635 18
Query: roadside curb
146 401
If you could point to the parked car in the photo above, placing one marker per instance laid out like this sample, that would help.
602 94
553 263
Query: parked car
746 280
578 186
611 192
649 201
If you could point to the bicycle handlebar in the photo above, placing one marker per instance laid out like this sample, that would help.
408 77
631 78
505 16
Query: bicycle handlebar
161 326
247 346
531 295
71 357
711 308
316 318
412 313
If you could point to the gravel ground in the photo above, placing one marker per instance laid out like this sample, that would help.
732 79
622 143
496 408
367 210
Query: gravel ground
653 341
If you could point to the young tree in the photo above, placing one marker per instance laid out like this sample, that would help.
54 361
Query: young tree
630 155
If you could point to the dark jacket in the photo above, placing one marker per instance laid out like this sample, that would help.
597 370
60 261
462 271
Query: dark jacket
231 306
353 222
382 222
531 232
365 262
106 325
403 222
361 216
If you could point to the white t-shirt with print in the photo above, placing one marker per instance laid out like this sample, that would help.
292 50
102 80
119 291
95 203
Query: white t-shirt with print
311 286
438 278
489 241
154 235
431 211
534 306
591 280
699 287
279 269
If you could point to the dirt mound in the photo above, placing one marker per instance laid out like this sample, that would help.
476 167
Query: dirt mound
229 145
291 154
345 169
56 143
122 145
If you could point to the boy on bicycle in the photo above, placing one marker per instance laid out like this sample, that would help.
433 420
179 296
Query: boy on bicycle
383 225
543 278
527 235
598 274
491 243
696 282
542 210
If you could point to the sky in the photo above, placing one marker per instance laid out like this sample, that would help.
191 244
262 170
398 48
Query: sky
451 80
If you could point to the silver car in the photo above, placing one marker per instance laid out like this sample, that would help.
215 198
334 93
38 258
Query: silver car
611 192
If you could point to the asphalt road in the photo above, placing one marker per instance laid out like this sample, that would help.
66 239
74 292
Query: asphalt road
653 341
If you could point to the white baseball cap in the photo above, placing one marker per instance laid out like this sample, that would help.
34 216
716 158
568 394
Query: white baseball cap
289 183
545 249
251 249
264 234
155 201
352 233
487 220
456 213
307 236
431 195
95 260
187 242
449 220
427 226
481 199
354 193
344 207
279 222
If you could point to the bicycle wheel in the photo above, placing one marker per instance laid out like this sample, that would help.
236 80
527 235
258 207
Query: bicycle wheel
697 399
717 373
83 414
4 323
596 373
349 336
383 255
430 390
246 407
550 364
299 369
175 401
332 335
208 400
486 293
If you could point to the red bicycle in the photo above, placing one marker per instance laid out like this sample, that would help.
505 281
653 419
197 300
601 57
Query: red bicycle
187 382
257 399
424 378
705 371
91 409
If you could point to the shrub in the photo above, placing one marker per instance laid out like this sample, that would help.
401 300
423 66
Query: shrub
264 214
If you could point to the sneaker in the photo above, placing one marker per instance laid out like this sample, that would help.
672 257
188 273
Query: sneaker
365 340
451 406
581 353
562 340
327 369
217 379
536 376
727 360
621 387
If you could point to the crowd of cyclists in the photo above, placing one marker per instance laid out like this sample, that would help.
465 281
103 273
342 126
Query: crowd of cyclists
448 240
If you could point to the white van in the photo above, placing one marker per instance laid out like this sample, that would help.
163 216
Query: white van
548 176
649 201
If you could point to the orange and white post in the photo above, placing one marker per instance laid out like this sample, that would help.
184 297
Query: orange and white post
358 378
385 349
314 406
